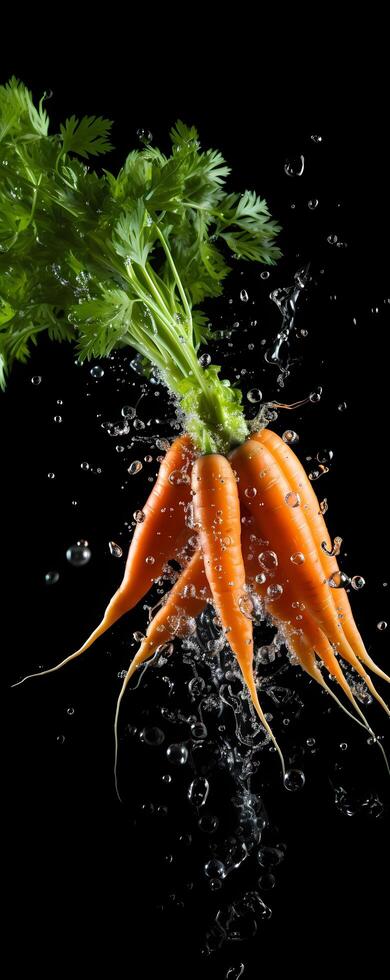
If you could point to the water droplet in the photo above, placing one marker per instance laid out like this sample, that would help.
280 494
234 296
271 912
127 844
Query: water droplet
294 780
325 456
97 372
52 577
196 686
115 549
342 407
51 476
292 499
177 754
268 559
315 396
128 412
58 418
152 736
208 823
260 578
198 731
332 239
162 444
382 625
295 166
245 604
215 869
290 437
235 972
265 274
36 380
135 467
254 395
150 560
244 296
274 591
204 360
338 580
312 204
316 139
250 492
324 506
60 739
198 791
269 857
177 477
139 516
357 582
320 471
139 424
297 558
78 554
145 136
84 466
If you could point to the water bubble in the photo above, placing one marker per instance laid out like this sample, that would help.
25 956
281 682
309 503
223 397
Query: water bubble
150 560
177 477
198 791
269 857
325 456
145 136
320 471
120 449
128 412
97 372
260 578
244 296
250 492
312 204
51 476
52 577
342 406
115 549
198 731
135 467
268 559
294 780
204 360
139 516
265 274
166 778
338 580
162 444
215 869
84 466
78 554
36 380
274 591
316 139
324 506
177 754
254 395
332 239
58 418
208 823
139 424
295 166
152 736
357 582
292 499
290 437
382 625
196 686
315 396
297 558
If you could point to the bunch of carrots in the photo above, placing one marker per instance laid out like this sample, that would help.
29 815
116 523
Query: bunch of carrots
125 260
260 532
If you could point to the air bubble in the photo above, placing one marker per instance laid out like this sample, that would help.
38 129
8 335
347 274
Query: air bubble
152 736
78 554
52 577
357 582
177 754
250 492
244 296
204 360
135 467
268 559
97 372
297 558
295 166
199 791
274 591
178 477
254 395
339 580
128 412
312 204
382 625
294 780
36 380
292 499
215 869
290 437
115 549
139 516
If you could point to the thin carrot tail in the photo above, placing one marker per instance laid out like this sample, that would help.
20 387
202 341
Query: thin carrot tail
144 653
360 651
110 617
250 681
309 664
346 651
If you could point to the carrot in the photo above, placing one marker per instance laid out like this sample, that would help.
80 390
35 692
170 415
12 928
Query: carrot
265 492
306 640
299 483
160 536
217 516
185 600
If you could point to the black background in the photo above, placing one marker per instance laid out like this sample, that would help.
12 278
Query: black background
81 873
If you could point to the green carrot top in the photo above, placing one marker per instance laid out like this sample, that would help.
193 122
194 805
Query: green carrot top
112 261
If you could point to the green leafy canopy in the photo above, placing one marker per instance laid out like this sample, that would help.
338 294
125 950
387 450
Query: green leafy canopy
112 260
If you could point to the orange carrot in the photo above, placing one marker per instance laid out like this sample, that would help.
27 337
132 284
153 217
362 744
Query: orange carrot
300 484
291 551
217 516
160 536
